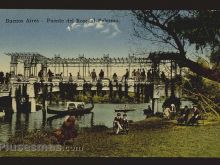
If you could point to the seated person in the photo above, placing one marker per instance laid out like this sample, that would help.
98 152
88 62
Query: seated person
195 117
117 122
58 135
148 111
172 111
167 113
184 115
80 106
125 123
67 132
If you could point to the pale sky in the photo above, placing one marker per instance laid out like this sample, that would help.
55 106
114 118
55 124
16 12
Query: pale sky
113 35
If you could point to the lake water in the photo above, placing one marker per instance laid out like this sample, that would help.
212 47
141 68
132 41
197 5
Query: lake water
102 114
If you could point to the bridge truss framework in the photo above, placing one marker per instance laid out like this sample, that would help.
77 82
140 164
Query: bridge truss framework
31 60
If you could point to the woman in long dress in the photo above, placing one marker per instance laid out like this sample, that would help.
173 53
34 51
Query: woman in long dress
167 113
67 132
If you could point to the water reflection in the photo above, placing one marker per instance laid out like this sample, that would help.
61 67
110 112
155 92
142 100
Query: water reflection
81 118
102 114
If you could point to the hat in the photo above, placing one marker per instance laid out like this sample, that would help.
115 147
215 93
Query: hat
125 114
66 118
71 119
172 105
194 106
118 114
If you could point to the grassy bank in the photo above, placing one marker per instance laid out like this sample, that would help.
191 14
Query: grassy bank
149 138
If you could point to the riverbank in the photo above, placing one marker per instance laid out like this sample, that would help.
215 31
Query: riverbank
152 137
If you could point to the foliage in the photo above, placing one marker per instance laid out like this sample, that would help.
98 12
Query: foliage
81 97
101 99
201 28
215 57
178 30
195 83
106 99
206 93
172 100
55 97
210 117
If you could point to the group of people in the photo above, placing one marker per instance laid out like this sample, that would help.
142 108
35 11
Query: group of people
67 132
94 75
4 78
139 74
187 116
50 75
120 123
185 113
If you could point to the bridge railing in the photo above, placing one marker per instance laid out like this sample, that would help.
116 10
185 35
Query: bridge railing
74 79
4 87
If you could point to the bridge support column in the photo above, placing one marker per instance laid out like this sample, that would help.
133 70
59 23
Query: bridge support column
44 68
31 94
13 95
155 106
156 96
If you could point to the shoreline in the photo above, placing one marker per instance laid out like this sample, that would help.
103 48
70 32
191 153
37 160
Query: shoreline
152 137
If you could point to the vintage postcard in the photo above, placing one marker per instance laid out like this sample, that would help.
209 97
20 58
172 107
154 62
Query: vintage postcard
109 83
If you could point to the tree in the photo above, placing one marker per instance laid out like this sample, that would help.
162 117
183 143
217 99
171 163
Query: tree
179 29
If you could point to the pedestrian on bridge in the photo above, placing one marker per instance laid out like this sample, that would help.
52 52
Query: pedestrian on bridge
78 75
143 75
138 75
101 74
70 77
134 74
115 77
126 76
93 75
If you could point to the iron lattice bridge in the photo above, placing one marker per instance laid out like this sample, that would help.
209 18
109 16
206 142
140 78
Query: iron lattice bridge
31 60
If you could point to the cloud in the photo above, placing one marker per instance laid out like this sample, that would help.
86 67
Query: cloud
114 34
68 28
99 25
115 29
73 26
115 26
105 31
91 23
112 30
104 28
